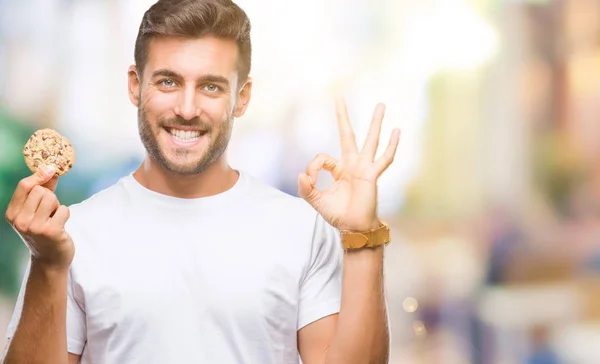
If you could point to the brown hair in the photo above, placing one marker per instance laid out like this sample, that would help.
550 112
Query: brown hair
195 19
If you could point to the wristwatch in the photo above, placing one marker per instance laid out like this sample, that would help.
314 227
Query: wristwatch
368 239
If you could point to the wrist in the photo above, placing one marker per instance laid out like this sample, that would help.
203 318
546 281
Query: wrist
364 227
375 251
375 224
49 269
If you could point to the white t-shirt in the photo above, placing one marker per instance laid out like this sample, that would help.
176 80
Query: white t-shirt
228 278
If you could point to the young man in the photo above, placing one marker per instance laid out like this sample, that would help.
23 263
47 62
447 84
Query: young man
187 260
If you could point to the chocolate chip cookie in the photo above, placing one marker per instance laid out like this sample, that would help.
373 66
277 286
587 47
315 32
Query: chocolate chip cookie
48 147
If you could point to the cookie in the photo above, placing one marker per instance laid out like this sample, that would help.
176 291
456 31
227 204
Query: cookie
48 147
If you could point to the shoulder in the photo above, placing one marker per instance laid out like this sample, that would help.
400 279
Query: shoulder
289 213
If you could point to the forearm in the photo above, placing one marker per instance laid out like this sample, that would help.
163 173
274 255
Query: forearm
362 333
40 336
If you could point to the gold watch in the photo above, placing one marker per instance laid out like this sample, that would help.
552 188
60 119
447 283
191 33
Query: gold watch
368 239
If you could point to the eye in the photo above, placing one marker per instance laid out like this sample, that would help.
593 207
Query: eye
167 82
211 88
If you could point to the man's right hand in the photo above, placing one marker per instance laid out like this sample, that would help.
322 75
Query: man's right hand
36 214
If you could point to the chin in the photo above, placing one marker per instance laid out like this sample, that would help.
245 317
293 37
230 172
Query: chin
175 165
184 160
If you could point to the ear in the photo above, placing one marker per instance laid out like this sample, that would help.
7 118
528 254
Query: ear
133 84
243 98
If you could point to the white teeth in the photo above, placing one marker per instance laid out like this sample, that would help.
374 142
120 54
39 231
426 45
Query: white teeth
185 136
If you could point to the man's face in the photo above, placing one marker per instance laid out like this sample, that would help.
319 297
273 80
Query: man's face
187 98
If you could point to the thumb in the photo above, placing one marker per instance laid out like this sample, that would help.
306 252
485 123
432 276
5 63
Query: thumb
51 184
43 175
306 190
46 177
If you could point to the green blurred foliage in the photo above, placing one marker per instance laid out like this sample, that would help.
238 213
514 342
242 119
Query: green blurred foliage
13 135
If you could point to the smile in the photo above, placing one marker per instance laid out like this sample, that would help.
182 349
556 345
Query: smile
185 136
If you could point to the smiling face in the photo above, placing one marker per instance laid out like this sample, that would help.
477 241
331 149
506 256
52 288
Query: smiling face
187 98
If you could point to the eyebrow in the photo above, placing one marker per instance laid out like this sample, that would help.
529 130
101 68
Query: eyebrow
204 78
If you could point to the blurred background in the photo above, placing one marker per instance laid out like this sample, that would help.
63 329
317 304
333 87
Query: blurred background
494 197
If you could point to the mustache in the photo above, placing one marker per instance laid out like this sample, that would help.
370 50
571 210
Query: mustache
179 121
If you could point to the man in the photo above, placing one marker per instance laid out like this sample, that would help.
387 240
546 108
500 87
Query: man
187 260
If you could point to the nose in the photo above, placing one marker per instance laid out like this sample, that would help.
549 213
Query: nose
188 104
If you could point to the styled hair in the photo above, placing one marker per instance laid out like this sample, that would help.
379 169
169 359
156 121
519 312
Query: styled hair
194 19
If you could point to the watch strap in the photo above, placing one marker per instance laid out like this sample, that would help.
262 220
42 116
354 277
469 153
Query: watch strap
368 239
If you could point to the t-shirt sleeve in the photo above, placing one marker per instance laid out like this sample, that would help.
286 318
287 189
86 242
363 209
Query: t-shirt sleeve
76 327
321 286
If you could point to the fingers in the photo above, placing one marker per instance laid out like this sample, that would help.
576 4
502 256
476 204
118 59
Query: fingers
60 217
36 211
45 210
308 180
48 220
51 227
42 177
383 162
322 161
372 142
27 211
307 190
48 205
347 138
305 186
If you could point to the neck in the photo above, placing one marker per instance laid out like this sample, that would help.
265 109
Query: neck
216 179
